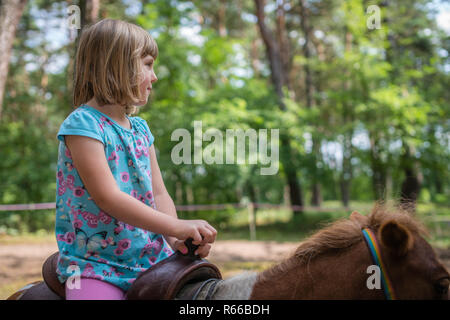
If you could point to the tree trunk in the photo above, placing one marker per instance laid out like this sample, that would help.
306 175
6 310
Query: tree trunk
277 77
413 179
283 43
254 58
347 146
347 172
10 13
316 198
222 19
252 191
378 168
89 11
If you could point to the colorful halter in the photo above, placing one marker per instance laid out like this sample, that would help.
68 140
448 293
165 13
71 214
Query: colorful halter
374 249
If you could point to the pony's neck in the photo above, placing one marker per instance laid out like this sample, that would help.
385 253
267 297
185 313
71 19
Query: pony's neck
336 275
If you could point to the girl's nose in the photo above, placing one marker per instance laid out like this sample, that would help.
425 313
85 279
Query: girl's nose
154 78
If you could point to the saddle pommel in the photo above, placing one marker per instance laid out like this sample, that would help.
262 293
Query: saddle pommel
165 279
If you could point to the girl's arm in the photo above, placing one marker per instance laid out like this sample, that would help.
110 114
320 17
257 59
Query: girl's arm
162 198
89 159
164 203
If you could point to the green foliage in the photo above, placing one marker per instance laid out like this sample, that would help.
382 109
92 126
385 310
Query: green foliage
386 89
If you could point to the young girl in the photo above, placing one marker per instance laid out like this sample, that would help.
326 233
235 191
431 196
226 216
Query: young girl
114 217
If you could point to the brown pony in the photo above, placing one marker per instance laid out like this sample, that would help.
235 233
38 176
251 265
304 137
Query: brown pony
333 264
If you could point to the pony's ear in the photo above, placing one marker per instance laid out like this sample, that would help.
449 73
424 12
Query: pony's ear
359 218
396 238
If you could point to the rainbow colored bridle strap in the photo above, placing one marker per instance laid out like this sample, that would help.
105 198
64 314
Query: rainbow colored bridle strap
374 249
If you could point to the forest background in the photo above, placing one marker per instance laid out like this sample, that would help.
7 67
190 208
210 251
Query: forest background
359 91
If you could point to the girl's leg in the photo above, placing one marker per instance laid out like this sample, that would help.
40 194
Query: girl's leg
93 289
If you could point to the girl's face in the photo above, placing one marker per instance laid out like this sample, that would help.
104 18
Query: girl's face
149 77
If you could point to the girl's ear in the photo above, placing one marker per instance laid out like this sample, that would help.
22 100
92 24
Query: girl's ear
396 238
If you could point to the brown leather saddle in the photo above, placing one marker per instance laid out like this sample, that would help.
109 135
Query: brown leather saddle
163 281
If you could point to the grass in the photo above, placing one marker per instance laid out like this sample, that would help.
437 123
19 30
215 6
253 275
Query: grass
24 238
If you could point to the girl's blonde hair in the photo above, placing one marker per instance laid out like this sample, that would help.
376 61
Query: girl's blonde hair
108 63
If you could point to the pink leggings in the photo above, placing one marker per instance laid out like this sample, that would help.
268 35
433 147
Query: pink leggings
93 289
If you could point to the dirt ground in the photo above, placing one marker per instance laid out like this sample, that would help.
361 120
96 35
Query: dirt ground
21 263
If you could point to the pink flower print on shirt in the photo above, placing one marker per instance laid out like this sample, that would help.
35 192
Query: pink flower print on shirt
67 153
138 152
75 213
70 181
68 238
118 229
120 226
123 245
107 274
61 189
124 176
154 246
167 251
104 120
88 272
101 260
117 273
60 175
152 260
78 192
92 219
77 224
149 195
105 218
114 156
64 185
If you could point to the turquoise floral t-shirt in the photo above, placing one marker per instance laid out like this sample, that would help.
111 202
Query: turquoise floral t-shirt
101 246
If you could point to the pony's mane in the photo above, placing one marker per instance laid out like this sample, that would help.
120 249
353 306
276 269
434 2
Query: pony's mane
344 233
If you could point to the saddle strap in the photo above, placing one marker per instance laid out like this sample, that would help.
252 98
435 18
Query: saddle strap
207 287
202 290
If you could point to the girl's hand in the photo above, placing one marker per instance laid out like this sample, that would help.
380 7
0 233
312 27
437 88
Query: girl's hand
199 230
202 251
